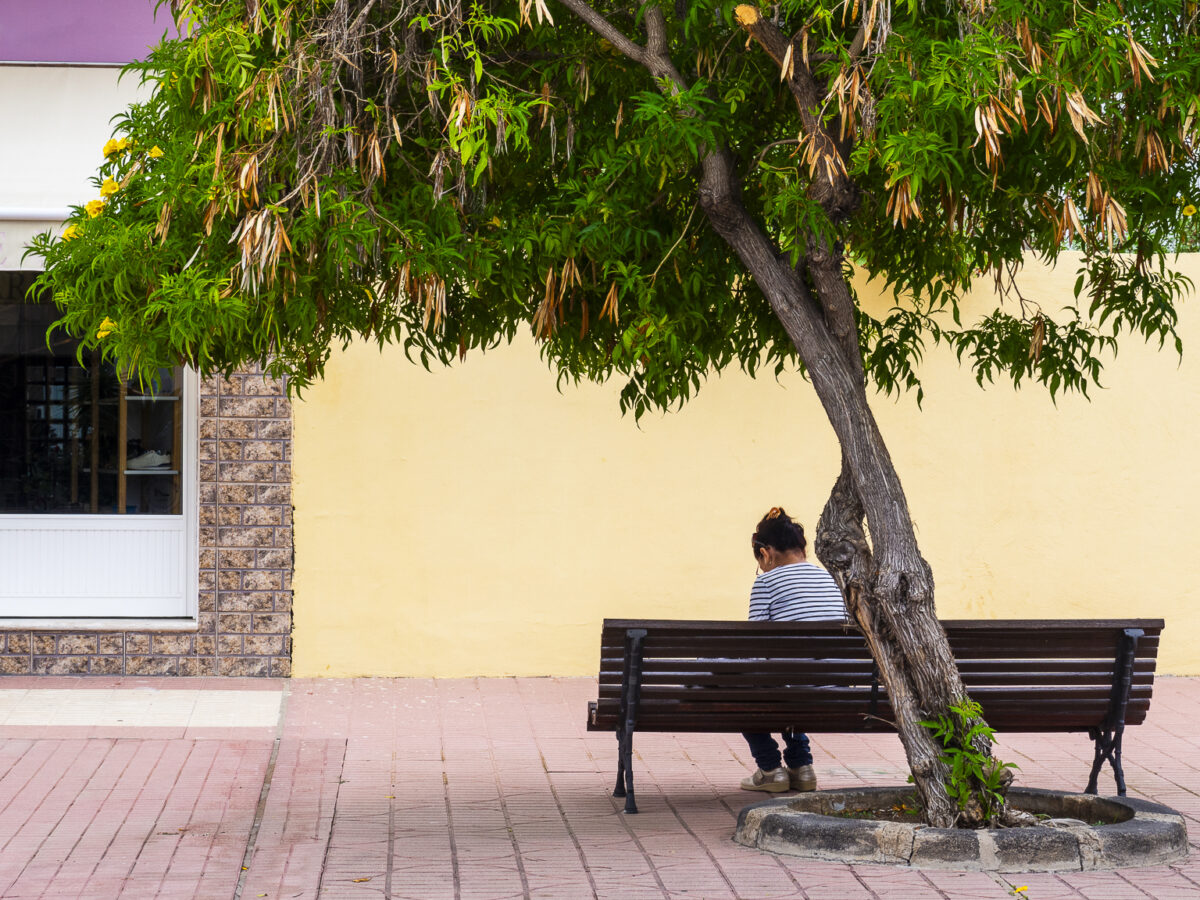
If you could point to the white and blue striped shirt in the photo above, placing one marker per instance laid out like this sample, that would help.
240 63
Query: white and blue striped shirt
796 592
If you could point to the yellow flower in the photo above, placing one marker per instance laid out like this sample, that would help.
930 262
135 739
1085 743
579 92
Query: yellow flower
109 188
1189 210
155 152
114 146
107 327
70 231
94 208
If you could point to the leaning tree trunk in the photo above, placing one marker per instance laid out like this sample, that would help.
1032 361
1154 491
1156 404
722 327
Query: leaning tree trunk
888 586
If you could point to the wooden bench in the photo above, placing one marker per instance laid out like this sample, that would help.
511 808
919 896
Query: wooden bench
1035 675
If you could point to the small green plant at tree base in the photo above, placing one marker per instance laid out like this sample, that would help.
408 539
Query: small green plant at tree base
970 769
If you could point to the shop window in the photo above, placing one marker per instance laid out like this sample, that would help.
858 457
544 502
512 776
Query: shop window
99 512
74 436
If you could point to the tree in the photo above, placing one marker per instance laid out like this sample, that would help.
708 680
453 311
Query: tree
659 192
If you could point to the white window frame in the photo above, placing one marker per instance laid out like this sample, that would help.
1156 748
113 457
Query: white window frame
84 571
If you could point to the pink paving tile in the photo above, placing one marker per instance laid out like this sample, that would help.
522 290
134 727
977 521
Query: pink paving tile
120 827
481 788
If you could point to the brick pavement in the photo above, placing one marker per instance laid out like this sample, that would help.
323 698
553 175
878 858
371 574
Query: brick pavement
464 790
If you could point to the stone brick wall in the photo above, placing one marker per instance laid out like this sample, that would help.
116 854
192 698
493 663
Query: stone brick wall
245 610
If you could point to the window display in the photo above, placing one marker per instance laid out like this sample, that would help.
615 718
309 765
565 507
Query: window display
74 436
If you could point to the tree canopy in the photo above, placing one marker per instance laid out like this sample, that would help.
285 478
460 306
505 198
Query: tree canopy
660 192
440 174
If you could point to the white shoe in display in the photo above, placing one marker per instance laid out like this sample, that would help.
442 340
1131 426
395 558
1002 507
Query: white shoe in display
151 459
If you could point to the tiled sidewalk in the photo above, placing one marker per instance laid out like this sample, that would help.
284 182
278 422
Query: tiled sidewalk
488 788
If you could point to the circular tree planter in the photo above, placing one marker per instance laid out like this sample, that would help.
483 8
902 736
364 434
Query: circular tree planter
819 826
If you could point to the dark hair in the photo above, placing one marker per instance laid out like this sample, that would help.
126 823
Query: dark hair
778 530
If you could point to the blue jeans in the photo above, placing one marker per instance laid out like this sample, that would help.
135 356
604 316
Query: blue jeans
766 754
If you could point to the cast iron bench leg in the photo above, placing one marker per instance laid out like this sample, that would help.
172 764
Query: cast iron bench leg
619 790
625 754
1108 747
1108 736
631 691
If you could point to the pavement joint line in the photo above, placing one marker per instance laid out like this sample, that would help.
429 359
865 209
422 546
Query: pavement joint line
455 868
50 832
623 818
504 807
587 870
776 857
261 808
337 796
391 833
1136 887
707 852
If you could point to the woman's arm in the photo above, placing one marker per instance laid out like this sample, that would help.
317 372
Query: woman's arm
760 601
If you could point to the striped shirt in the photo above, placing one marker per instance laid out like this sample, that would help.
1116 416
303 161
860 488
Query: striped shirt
796 592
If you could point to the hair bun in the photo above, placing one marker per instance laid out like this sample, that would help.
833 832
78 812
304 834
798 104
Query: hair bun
777 529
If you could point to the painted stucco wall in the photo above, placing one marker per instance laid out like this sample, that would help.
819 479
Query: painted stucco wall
474 521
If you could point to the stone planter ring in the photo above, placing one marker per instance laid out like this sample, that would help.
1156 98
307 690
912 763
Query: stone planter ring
818 826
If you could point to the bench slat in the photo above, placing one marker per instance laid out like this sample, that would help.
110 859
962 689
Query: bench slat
1018 670
833 633
807 663
853 647
851 717
819 632
702 626
1028 676
768 680
792 694
818 696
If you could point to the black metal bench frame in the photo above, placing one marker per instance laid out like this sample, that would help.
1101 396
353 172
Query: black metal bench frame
1106 735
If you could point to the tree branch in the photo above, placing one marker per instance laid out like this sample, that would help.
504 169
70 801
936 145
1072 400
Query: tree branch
656 32
653 56
824 263
830 185
860 40
723 207
606 30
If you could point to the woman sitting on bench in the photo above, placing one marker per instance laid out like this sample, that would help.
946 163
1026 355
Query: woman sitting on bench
790 589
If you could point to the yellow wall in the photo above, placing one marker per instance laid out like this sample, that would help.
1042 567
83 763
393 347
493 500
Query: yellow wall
473 521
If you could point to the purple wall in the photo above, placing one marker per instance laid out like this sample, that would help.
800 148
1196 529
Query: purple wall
80 31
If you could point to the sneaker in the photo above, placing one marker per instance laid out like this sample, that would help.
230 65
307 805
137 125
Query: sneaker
802 778
151 459
776 781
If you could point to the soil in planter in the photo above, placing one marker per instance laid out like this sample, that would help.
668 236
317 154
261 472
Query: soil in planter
910 811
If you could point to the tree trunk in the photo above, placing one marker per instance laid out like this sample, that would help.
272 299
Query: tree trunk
888 586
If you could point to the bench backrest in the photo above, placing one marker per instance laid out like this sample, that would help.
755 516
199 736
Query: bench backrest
1029 675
